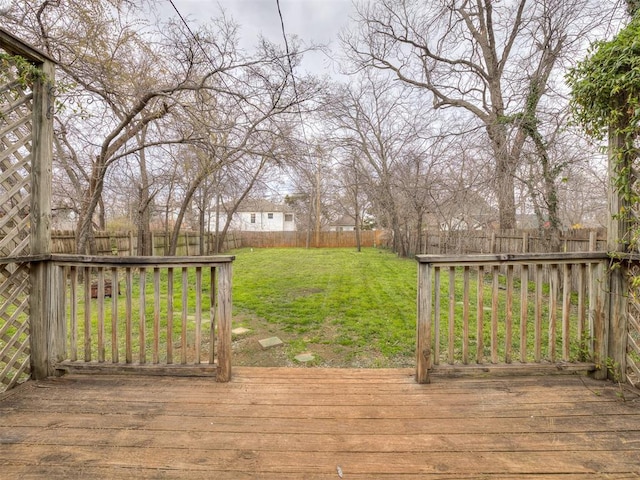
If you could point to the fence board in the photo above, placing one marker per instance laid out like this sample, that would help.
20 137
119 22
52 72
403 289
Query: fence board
468 242
126 243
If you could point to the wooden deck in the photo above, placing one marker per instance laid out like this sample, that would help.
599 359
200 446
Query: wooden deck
319 424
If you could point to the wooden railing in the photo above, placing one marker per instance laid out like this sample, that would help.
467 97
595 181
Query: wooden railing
515 313
153 314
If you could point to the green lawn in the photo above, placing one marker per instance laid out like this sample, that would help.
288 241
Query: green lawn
360 305
363 301
347 308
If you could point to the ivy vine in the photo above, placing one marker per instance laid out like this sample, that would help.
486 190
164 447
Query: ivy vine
27 72
606 85
606 103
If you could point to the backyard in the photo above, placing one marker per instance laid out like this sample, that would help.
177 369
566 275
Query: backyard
347 308
358 309
329 308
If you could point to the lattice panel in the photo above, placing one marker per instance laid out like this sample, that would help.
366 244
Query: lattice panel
15 167
633 336
633 314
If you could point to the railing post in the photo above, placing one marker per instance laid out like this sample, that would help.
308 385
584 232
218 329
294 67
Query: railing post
40 242
423 330
618 328
619 229
224 323
599 318
57 329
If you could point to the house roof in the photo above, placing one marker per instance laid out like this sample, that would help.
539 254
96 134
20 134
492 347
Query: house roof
263 205
346 220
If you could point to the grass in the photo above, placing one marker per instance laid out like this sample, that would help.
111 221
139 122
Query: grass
137 327
361 300
366 302
348 308
576 344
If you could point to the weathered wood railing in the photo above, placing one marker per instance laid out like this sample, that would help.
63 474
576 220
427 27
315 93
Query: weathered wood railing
153 314
496 313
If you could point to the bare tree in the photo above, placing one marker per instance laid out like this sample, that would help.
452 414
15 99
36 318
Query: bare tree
493 60
375 122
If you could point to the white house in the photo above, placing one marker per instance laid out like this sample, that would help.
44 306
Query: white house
344 224
263 216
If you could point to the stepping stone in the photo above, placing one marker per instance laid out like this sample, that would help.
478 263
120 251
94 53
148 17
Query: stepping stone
240 331
269 342
305 357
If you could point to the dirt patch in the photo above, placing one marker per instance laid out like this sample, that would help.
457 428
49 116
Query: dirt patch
325 345
328 353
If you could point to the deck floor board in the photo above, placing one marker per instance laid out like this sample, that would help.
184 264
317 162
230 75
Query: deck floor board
271 423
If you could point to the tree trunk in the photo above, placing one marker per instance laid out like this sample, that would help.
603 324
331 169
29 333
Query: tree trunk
144 231
505 170
144 216
85 240
183 209
201 221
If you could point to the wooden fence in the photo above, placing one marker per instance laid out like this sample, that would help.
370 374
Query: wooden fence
368 238
474 242
126 243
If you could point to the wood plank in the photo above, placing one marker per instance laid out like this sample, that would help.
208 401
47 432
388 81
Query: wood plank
582 306
566 311
326 442
153 473
436 314
213 313
423 329
86 272
538 315
101 325
276 419
115 355
265 460
224 276
452 315
283 404
129 315
480 315
16 46
184 317
494 314
304 423
73 312
142 320
39 227
509 317
466 302
524 306
553 311
187 370
156 316
170 316
198 316
513 258
142 262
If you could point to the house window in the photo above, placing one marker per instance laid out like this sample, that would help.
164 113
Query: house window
288 217
253 218
270 216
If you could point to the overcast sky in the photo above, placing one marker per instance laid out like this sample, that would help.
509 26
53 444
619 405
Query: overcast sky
313 21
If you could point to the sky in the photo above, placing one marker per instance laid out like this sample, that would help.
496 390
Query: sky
313 21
